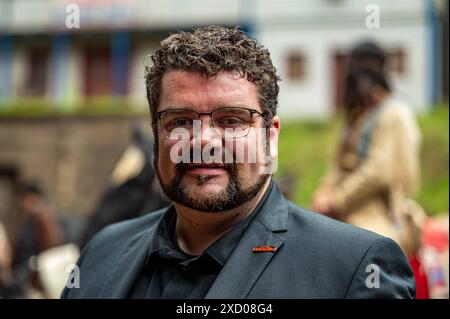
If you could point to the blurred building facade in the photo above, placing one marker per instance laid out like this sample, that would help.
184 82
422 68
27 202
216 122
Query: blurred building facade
41 58
309 41
45 63
105 57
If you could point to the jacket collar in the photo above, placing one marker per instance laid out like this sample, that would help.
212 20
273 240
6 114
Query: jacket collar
244 267
275 212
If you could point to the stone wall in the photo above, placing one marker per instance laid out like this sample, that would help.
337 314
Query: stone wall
71 158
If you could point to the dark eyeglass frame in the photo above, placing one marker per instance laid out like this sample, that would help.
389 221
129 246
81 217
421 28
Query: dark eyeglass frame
251 111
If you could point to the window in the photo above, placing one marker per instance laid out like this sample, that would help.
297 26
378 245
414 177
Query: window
295 66
36 82
97 71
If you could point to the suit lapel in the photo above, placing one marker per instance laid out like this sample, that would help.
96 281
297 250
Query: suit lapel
244 267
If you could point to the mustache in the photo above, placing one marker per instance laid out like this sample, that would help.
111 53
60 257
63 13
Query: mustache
182 167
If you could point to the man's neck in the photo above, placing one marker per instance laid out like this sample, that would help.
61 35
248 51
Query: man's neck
196 230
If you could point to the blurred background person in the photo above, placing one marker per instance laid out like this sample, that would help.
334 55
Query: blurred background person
5 264
39 230
378 159
132 190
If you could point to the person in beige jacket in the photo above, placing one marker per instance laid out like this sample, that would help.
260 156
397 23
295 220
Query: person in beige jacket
377 167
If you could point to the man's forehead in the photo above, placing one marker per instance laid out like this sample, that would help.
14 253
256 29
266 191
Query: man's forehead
193 90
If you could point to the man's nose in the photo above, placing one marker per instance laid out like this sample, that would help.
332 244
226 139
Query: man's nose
204 133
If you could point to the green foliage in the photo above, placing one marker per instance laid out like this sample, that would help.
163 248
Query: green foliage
435 159
40 107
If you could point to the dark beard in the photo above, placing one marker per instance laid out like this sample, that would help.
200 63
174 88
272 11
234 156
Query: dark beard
233 196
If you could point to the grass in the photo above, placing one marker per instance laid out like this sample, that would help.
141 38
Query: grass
306 149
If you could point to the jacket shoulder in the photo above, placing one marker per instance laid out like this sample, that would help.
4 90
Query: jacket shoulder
310 223
343 254
124 229
104 250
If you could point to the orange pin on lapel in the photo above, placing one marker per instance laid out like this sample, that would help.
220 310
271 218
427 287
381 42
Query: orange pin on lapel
264 249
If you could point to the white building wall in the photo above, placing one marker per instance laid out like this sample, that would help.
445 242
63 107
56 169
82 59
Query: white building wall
303 25
140 58
50 15
323 13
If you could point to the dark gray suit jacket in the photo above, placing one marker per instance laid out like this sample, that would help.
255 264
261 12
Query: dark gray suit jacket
316 257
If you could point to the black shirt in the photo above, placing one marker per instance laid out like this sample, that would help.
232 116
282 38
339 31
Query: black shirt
170 273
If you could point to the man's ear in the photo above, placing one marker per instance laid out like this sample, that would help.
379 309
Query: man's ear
273 137
272 158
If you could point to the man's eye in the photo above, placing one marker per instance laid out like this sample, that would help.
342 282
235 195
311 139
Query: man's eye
231 121
181 122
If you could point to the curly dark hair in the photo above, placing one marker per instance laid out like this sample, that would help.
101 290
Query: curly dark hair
211 50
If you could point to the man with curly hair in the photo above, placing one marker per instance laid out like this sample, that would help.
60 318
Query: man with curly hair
229 233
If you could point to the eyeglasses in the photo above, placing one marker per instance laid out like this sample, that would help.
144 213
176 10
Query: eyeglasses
227 122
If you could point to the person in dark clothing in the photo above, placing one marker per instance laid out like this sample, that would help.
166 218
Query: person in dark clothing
131 193
39 230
